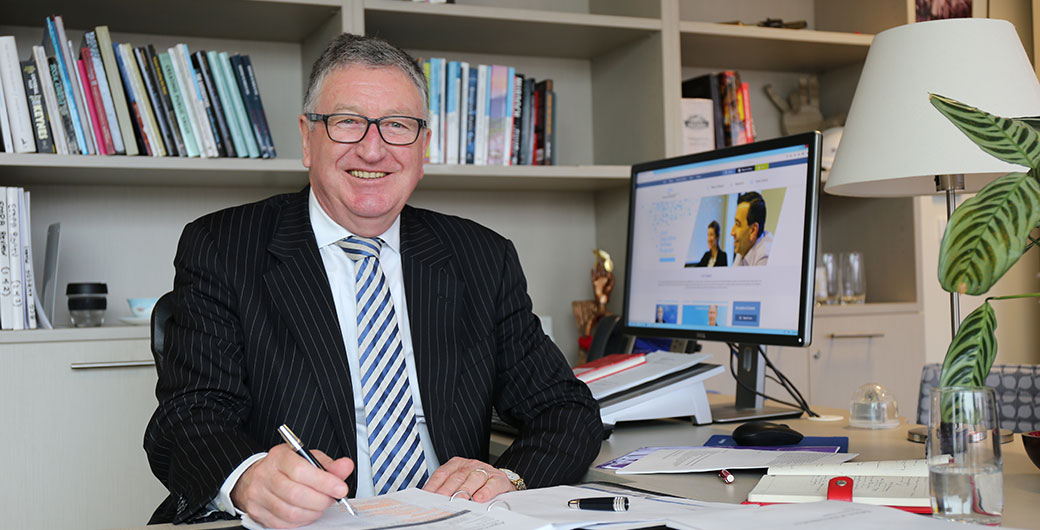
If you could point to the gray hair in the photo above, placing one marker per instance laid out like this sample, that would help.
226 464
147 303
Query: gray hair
348 49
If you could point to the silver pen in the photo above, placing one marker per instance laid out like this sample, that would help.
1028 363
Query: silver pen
294 442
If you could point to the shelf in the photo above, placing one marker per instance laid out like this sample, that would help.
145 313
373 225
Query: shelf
494 30
889 308
281 21
26 169
75 334
705 44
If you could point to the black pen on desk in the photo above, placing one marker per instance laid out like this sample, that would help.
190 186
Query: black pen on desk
726 477
605 504
294 442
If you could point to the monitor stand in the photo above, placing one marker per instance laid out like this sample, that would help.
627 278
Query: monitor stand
751 373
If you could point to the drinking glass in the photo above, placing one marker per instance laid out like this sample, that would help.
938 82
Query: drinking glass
853 283
965 469
830 284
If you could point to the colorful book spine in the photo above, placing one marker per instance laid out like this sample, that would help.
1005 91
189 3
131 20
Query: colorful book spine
242 117
471 113
164 97
451 112
18 121
518 109
107 103
151 94
200 62
63 107
142 134
37 107
749 124
182 66
227 107
180 109
141 98
507 117
527 124
118 91
51 101
483 110
66 85
497 134
93 100
436 82
68 58
463 110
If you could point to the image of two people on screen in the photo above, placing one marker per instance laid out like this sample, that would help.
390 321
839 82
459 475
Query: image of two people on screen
751 236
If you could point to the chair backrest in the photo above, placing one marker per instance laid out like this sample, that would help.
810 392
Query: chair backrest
1018 393
161 314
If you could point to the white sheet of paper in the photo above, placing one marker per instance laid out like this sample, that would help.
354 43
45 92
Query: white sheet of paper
694 459
885 468
658 364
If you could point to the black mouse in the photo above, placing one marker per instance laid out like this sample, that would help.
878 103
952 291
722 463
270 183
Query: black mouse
763 433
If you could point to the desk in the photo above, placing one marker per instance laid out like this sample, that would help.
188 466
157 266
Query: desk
1021 478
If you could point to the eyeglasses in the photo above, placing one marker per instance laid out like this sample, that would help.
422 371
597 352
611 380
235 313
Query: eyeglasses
346 128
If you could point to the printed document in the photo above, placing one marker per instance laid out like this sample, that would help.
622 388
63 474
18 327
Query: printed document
694 459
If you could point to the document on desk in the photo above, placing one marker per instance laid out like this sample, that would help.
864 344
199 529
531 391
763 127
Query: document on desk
414 508
658 364
694 459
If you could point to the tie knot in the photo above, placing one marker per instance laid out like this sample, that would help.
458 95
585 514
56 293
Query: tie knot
358 247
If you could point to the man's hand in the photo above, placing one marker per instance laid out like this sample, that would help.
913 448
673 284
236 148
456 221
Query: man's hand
282 490
477 478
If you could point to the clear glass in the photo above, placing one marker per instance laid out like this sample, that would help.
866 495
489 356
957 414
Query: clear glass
965 469
852 280
830 270
87 318
873 407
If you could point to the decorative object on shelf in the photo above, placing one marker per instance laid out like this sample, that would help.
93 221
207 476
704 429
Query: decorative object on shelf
801 111
873 407
896 144
589 312
87 303
141 307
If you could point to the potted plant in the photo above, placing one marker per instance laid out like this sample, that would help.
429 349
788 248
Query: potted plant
987 234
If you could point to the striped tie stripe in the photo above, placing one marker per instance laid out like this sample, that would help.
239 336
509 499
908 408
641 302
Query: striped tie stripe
393 439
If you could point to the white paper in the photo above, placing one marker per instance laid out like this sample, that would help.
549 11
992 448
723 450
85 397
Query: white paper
416 508
886 491
698 119
694 459
888 468
657 365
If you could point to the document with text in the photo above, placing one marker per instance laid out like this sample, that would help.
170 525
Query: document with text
694 459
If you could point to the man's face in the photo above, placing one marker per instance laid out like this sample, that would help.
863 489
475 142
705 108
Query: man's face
364 186
713 315
743 235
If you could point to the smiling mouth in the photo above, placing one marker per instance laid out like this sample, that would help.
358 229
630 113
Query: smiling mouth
367 175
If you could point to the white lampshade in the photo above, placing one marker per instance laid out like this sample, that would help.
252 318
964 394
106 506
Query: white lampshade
895 141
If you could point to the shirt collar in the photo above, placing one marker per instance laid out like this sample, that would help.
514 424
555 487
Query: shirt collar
328 232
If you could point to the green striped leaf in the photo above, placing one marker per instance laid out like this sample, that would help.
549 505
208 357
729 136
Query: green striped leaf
972 351
988 233
1008 139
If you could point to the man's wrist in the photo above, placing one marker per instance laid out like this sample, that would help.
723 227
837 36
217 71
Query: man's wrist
223 500
517 481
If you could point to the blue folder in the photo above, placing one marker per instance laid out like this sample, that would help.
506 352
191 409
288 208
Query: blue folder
842 442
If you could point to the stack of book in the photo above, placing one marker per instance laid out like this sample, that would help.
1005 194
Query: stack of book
17 281
110 98
726 101
489 115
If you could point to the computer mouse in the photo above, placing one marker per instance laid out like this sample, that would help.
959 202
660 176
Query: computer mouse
763 433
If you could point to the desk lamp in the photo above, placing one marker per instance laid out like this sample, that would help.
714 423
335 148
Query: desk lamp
896 144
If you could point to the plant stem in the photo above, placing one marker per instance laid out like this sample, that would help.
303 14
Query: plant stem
1013 296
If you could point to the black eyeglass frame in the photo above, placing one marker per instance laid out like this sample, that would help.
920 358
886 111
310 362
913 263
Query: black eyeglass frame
324 118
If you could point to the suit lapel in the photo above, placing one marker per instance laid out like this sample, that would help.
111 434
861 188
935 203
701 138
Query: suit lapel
300 292
432 290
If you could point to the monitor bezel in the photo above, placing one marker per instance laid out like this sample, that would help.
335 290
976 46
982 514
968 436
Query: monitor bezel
806 299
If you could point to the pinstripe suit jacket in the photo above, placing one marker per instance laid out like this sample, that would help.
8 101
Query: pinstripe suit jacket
255 342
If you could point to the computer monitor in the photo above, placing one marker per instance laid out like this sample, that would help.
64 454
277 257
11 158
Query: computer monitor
758 203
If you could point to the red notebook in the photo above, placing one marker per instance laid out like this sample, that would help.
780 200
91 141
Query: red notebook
608 365
904 492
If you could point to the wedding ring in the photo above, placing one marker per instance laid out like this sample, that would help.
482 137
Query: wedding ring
458 492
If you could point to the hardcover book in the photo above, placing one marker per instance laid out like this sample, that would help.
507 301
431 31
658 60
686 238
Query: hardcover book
52 43
93 98
37 107
200 61
50 101
227 107
896 483
252 148
64 114
499 129
75 85
707 87
118 91
105 90
261 116
180 106
161 85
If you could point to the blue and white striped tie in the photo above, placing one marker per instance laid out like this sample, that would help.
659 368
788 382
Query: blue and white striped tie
393 439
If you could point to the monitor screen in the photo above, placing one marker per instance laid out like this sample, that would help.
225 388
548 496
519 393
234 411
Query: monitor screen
722 245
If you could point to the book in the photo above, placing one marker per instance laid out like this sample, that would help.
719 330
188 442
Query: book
141 99
469 143
698 125
64 113
227 107
707 87
896 483
162 87
608 365
251 147
19 122
258 102
37 107
200 61
115 85
52 44
158 110
250 102
14 252
452 84
732 119
541 92
526 123
483 107
749 124
463 110
501 105
27 263
189 87
436 88
104 90
77 105
5 266
92 97
180 107
50 100
518 101
141 134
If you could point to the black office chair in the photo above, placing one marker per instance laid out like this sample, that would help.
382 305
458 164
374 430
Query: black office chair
161 315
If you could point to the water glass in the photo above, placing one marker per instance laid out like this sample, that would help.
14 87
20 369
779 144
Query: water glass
852 280
829 263
965 469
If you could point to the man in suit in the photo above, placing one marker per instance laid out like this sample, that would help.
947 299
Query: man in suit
277 304
751 241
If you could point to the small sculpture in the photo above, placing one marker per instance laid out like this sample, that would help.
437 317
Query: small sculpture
588 312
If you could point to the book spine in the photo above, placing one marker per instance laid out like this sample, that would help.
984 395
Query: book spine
5 266
201 63
436 100
37 107
66 86
14 249
243 85
115 83
193 90
191 103
540 92
107 102
463 110
19 121
27 263
140 131
507 118
518 101
92 116
749 125
141 98
451 147
51 101
471 113
425 66
6 141
238 106
64 114
227 107
483 113
156 110
97 112
81 104
161 86
550 127
207 107
497 136
180 110
261 115
526 123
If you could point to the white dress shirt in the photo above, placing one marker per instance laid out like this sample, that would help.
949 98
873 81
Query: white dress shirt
759 253
340 270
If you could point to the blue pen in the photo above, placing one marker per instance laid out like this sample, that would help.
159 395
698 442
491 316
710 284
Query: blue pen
294 442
